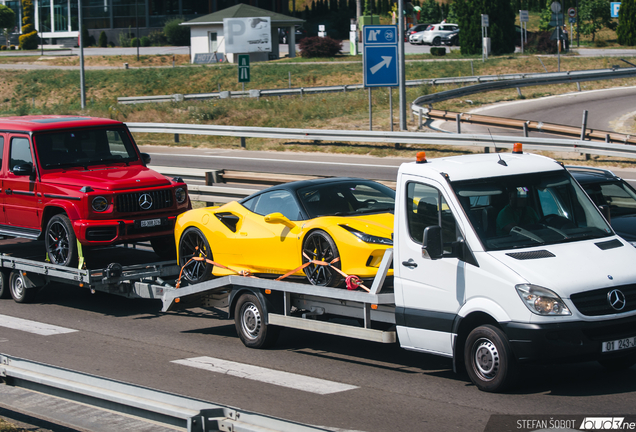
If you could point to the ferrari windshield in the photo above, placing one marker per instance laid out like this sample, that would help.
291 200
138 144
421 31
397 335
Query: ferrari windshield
80 148
529 210
346 198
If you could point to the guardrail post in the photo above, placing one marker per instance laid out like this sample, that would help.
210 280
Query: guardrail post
578 86
458 120
176 138
242 142
519 92
607 138
583 130
525 129
419 115
301 92
289 75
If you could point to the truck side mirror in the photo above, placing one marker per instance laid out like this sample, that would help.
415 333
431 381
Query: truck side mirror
432 243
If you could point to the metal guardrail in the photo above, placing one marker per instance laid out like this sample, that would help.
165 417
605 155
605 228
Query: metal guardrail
525 80
482 83
190 414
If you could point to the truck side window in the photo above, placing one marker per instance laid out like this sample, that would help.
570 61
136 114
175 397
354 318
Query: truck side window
20 152
425 207
1 150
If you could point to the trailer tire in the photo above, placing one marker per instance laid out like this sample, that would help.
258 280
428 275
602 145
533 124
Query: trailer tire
489 359
319 246
60 241
249 320
5 292
193 244
18 288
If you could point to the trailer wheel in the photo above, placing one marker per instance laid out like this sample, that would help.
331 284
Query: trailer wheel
489 359
193 244
319 246
18 288
5 292
249 320
60 241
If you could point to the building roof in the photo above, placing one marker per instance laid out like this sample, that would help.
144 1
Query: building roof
244 11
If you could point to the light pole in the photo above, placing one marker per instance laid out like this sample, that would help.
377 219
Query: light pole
137 24
81 47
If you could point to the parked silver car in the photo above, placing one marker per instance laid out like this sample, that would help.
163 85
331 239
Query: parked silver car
433 34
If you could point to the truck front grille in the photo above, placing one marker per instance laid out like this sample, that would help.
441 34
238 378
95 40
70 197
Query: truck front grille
596 302
139 201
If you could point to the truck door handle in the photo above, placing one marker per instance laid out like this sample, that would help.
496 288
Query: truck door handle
410 263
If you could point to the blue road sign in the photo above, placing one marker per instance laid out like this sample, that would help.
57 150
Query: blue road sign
380 53
614 6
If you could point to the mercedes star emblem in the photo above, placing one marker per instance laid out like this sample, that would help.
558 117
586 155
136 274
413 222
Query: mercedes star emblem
145 201
616 299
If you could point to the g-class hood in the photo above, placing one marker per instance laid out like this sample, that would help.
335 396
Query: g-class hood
108 179
569 268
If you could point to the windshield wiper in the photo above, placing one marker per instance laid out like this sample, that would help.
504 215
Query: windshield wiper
527 234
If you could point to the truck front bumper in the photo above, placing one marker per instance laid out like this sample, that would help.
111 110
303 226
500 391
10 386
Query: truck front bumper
570 341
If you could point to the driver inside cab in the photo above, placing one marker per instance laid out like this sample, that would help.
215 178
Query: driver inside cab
517 212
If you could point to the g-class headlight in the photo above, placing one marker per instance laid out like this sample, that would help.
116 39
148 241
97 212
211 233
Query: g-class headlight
99 204
181 195
368 238
542 301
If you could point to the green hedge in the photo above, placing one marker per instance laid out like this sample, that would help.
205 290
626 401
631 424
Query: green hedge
438 51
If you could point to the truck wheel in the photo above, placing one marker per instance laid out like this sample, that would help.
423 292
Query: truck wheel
249 320
165 247
19 292
60 241
489 359
619 363
319 246
193 244
5 292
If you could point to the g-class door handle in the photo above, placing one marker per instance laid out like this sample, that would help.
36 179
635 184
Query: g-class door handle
410 263
8 191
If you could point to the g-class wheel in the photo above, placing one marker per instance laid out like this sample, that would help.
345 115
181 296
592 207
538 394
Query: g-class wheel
60 241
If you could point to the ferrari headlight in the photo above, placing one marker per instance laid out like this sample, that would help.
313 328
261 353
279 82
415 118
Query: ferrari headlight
181 195
368 238
542 301
99 204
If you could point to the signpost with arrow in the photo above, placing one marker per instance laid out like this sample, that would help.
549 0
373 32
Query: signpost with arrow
380 59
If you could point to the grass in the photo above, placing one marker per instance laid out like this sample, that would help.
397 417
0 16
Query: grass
8 427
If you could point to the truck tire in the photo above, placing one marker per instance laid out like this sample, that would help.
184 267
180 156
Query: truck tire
249 320
165 247
60 241
18 288
319 246
489 360
193 244
5 292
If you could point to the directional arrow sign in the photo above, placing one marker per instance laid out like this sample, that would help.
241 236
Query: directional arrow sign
386 61
380 56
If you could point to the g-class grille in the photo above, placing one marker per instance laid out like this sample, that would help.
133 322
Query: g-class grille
599 302
144 201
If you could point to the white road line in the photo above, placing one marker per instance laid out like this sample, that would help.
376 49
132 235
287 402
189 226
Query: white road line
32 326
278 160
270 376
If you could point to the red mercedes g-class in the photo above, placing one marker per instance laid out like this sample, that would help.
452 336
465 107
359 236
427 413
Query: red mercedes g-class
68 178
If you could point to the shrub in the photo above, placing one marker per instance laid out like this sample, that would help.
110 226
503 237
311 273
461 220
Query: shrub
103 40
319 47
28 28
157 38
12 47
626 30
124 39
540 43
3 47
145 41
438 51
176 34
28 41
134 41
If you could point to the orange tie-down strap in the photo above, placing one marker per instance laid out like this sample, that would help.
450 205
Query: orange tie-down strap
352 281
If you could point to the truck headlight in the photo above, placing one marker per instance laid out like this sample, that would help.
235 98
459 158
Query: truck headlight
368 238
542 301
181 195
99 204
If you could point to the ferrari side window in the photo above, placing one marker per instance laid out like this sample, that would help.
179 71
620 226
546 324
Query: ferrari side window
278 201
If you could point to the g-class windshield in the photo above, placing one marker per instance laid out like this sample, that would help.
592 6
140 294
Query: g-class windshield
80 148
529 210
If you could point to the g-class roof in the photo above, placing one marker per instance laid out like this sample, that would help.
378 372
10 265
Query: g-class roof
36 123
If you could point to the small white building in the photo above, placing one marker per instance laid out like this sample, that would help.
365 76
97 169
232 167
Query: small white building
206 33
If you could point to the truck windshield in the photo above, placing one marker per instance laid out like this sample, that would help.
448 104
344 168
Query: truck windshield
529 210
80 148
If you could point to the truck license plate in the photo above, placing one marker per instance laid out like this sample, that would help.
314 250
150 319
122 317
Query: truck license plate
619 344
150 223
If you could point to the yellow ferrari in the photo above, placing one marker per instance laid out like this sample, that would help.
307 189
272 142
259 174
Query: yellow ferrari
346 222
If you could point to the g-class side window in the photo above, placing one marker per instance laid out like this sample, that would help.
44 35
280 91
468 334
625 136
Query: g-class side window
20 152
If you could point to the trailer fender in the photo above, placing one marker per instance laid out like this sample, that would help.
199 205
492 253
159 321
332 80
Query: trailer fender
271 302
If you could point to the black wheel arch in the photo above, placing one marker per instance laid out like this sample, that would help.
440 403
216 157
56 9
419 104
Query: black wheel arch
47 214
270 302
462 326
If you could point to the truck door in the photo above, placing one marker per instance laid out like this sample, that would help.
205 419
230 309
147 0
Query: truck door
2 176
22 203
428 293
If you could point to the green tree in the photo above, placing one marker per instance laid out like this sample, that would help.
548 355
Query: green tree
502 25
29 38
103 40
177 34
7 20
626 30
593 16
431 12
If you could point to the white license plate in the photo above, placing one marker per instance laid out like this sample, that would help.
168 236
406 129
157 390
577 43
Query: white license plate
150 223
620 344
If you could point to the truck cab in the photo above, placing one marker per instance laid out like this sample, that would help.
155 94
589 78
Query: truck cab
502 259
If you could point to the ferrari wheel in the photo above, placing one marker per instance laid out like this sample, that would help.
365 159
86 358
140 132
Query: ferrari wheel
193 245
319 246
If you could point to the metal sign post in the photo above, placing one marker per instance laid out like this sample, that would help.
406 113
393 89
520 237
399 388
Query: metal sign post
523 20
402 77
380 58
81 47
555 7
484 37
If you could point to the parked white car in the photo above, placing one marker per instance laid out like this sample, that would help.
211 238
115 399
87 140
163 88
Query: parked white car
433 34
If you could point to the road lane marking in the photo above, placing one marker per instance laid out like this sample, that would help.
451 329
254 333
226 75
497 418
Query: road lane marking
270 376
32 326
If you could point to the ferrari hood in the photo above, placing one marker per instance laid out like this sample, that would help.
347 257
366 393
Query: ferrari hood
379 224
121 178
574 267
